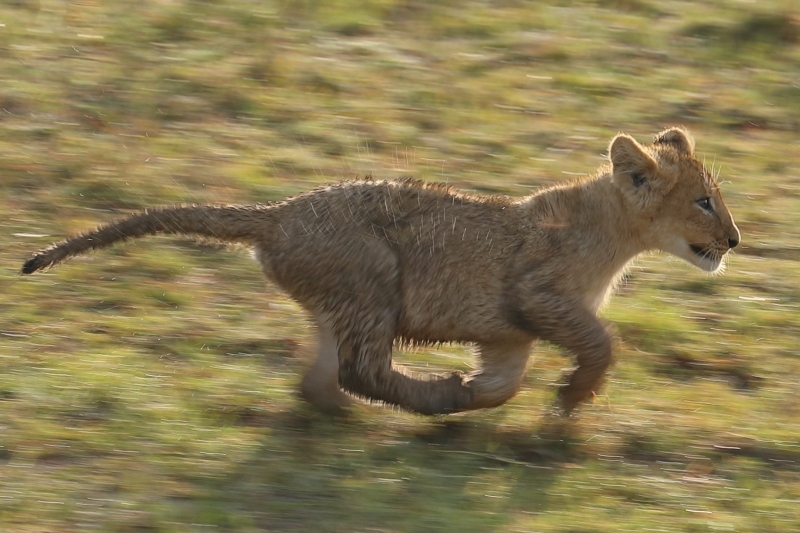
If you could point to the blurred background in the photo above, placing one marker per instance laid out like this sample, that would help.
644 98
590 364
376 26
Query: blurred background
151 387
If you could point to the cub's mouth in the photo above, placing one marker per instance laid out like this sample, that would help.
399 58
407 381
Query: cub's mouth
707 258
702 251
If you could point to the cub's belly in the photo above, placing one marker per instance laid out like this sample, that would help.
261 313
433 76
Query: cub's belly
456 321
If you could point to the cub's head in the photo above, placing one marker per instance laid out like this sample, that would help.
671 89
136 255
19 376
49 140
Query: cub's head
674 198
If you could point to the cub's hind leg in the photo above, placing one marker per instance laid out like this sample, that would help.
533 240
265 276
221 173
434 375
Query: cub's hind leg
365 367
357 289
320 385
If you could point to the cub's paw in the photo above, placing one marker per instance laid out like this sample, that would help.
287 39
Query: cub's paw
445 395
327 399
569 398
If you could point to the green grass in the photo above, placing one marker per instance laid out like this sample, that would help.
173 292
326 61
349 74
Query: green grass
152 387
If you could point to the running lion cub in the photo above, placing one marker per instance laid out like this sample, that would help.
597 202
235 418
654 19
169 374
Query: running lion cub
379 261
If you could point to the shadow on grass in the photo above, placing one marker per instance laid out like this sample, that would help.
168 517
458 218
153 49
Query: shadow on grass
725 367
314 473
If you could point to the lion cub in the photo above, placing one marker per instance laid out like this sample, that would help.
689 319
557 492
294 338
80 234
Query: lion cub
378 261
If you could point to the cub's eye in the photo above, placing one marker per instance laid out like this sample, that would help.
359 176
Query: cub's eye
705 204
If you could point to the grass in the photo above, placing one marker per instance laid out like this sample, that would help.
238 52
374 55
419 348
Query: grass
152 387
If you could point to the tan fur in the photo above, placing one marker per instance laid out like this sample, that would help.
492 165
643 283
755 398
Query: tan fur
375 262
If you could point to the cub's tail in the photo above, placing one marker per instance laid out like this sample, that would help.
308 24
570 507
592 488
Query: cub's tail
228 223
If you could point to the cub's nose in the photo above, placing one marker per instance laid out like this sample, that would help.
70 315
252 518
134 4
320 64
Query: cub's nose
733 240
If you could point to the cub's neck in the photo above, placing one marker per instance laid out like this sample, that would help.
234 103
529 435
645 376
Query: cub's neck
591 233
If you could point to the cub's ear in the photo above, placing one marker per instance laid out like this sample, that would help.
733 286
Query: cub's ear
635 172
632 165
679 138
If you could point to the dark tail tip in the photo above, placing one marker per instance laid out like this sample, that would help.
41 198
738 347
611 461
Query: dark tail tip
33 264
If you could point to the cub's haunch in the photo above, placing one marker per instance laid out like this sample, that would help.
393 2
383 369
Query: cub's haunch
378 261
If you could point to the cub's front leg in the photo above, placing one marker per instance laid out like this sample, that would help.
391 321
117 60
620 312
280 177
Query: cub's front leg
556 319
591 343
502 369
